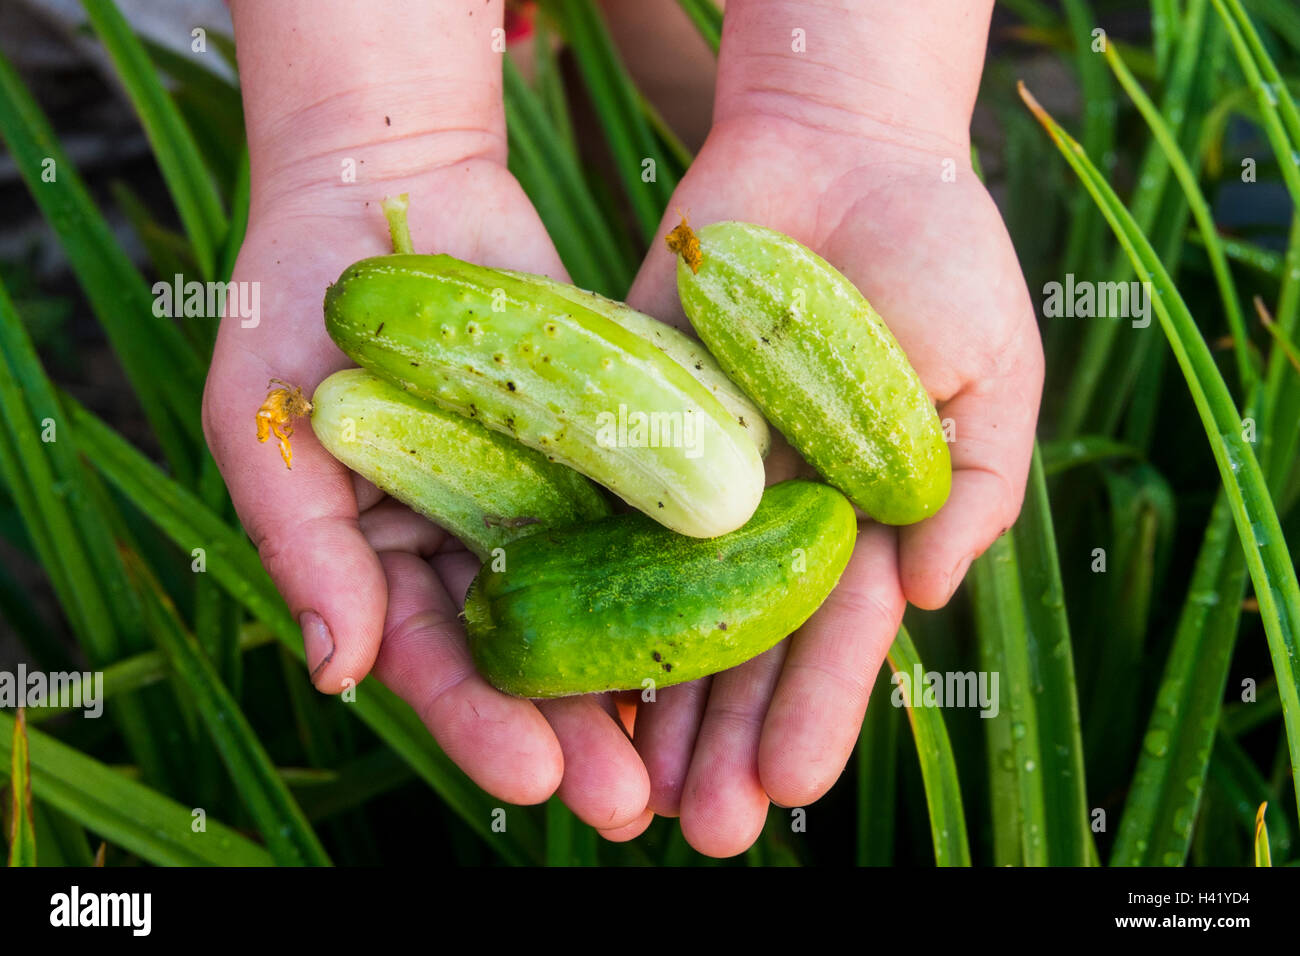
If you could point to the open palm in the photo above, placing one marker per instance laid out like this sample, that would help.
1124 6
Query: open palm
373 584
915 230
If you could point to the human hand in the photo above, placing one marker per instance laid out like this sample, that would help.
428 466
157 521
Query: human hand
371 583
932 256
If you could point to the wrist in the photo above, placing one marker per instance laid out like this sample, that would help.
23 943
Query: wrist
902 74
338 94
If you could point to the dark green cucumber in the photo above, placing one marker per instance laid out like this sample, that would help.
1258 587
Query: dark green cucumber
485 488
803 343
560 377
614 603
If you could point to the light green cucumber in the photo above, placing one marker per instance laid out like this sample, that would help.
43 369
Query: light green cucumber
615 603
803 343
679 347
562 378
485 488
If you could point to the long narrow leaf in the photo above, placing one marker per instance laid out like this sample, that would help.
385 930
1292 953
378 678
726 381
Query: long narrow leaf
174 150
1247 374
1262 540
1014 747
126 813
165 372
1056 707
22 831
938 766
287 833
233 562
642 167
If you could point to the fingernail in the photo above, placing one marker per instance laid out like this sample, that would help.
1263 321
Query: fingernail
316 641
959 572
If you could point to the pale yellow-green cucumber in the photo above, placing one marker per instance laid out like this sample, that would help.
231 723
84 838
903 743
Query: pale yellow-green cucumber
484 488
678 346
799 338
508 351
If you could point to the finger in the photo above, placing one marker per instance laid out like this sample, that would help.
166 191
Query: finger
605 783
816 711
304 524
664 736
993 420
392 526
629 831
503 743
456 570
724 804
985 368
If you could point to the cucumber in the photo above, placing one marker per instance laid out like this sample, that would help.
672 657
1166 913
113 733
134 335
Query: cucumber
611 604
486 489
679 347
800 339
560 377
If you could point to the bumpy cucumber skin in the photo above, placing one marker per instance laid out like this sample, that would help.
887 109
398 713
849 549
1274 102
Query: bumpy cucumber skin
607 605
543 369
829 375
679 347
485 488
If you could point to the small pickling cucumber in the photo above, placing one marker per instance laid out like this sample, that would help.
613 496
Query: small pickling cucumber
679 347
560 377
614 603
803 343
485 488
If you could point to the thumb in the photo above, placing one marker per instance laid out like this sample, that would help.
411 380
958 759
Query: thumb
304 523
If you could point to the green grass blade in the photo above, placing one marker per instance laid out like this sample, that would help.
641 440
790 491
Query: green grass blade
1141 517
67 525
617 103
285 829
238 222
1247 374
1276 93
1278 113
178 158
1265 547
61 839
560 824
1263 856
164 370
146 669
1153 173
1084 239
1282 15
1261 260
1165 21
1014 749
1165 795
234 564
1056 707
938 766
1062 454
707 19
126 813
550 174
22 831
1238 781
549 80
877 779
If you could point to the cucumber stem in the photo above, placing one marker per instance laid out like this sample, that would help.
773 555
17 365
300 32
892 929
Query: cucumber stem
395 212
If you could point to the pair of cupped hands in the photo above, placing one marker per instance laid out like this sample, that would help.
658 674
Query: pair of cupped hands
378 589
